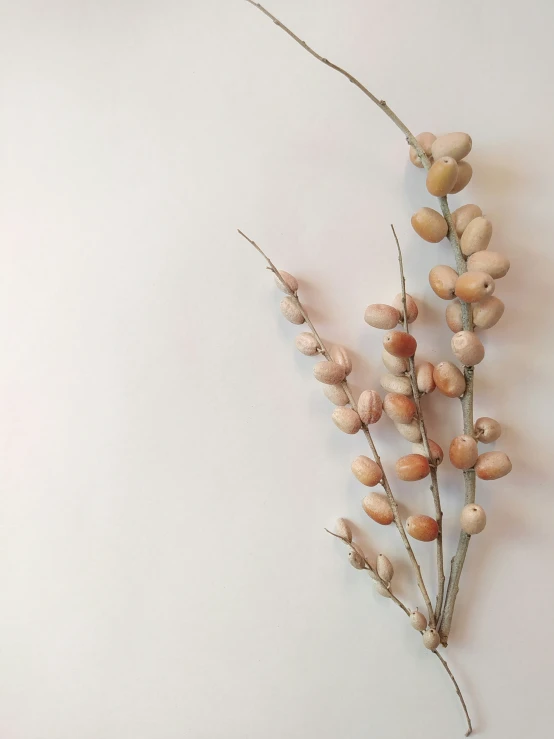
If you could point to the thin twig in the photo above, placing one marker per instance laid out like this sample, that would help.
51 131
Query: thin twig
444 663
467 322
425 440
367 434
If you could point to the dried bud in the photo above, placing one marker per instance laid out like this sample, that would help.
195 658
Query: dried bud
399 344
418 620
356 560
307 343
424 377
411 306
442 176
336 394
492 465
412 467
442 279
476 236
422 528
474 286
330 373
399 408
465 173
385 569
425 140
377 507
291 281
473 519
456 145
381 589
467 348
430 225
409 431
394 384
370 406
492 262
343 529
487 312
437 455
463 452
487 430
449 379
291 310
340 356
367 471
431 639
395 365
380 315
464 215
347 420
454 316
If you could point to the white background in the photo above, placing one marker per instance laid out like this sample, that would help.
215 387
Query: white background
168 463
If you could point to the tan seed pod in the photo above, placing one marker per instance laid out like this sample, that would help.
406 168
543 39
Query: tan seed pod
456 145
399 408
399 344
437 455
463 452
367 471
465 173
395 365
418 620
424 377
425 140
395 384
336 394
467 348
476 236
473 519
422 528
347 420
431 639
463 215
380 315
487 312
377 507
307 343
411 306
454 316
430 225
474 286
340 356
343 529
385 570
410 431
449 379
487 430
492 262
291 281
381 589
356 560
442 176
412 467
291 311
330 373
370 406
374 576
492 465
442 279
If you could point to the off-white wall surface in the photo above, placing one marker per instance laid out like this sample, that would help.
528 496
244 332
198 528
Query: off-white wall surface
168 463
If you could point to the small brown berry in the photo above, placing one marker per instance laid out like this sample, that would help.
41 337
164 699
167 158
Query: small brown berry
474 286
442 279
336 394
385 570
307 343
411 306
473 519
465 173
487 312
422 528
430 225
476 236
456 145
347 420
492 262
412 467
487 430
492 465
291 311
330 373
291 281
370 406
399 408
399 344
449 379
424 377
442 176
463 452
377 507
425 140
340 356
464 215
454 316
380 315
467 348
367 471
395 365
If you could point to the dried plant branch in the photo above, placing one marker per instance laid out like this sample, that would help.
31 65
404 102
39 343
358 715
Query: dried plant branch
467 321
425 440
384 482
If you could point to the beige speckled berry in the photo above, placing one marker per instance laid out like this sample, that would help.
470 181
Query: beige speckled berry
487 312
449 379
430 225
343 529
395 384
442 176
370 406
456 145
437 455
395 365
291 311
399 408
492 262
487 430
291 281
377 507
422 528
336 394
476 236
412 467
474 286
307 343
418 620
411 306
431 639
463 215
339 355
473 519
424 377
425 140
367 471
410 431
454 316
463 452
465 173
467 348
329 373
442 279
347 420
380 315
385 570
492 465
